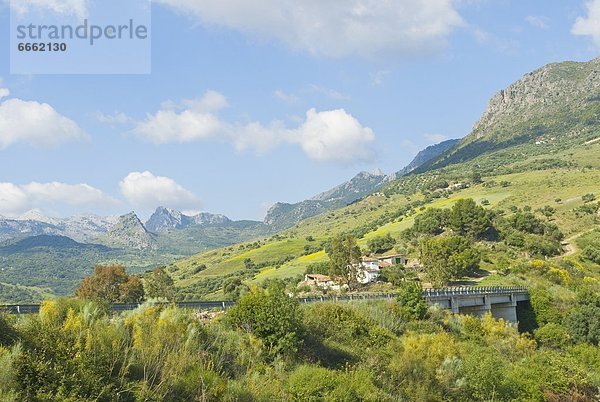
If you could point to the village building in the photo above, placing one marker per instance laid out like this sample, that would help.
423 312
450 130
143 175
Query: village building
369 269
320 281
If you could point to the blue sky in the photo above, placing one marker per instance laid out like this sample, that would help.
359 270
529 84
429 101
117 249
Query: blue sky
253 102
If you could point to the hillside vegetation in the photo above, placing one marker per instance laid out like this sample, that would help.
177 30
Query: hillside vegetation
534 149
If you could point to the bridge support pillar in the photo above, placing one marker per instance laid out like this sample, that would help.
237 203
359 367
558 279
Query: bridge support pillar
478 310
454 306
506 311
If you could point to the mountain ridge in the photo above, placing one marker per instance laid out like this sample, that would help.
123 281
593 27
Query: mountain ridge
284 215
164 219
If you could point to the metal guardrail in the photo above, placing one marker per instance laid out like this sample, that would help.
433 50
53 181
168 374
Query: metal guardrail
483 290
198 305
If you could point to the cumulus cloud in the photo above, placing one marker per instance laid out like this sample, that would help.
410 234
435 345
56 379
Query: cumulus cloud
332 136
65 7
334 28
16 199
13 200
35 123
4 92
147 191
590 24
183 122
335 136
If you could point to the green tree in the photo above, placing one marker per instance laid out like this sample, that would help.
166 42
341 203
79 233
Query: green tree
234 288
412 304
476 177
448 258
380 244
469 219
111 284
159 284
584 324
395 274
432 221
344 257
132 291
272 316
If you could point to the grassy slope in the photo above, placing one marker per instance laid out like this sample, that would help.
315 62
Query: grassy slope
533 188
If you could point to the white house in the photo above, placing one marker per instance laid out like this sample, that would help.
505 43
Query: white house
367 275
368 271
370 268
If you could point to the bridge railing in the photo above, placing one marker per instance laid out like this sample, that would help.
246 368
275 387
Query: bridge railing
427 294
481 290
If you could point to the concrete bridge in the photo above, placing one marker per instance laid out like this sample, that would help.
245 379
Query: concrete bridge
500 301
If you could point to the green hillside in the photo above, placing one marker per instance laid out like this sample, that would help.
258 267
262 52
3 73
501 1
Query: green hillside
537 148
289 253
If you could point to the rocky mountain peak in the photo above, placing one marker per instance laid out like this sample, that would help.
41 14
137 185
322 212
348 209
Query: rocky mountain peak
129 232
549 88
165 219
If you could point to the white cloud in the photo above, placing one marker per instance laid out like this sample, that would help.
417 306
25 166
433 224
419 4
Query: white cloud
257 137
69 194
590 24
169 126
4 92
16 199
436 138
13 199
35 123
66 7
538 21
334 135
147 191
335 28
188 121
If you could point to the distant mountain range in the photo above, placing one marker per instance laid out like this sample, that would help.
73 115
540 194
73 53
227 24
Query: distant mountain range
172 230
283 215
165 219
82 228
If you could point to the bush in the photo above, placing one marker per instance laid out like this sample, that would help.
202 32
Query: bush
552 335
272 316
584 324
311 383
412 305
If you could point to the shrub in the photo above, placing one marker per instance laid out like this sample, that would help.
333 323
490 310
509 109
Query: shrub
412 305
584 324
552 335
272 316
